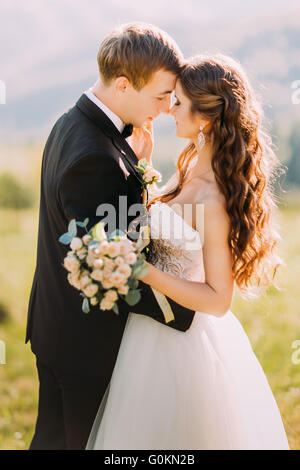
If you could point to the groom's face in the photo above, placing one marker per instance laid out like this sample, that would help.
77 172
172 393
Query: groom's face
154 98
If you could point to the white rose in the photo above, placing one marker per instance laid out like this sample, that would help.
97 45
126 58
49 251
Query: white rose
111 295
90 259
98 263
147 176
156 175
73 279
117 278
125 269
123 290
91 290
113 249
71 263
125 247
82 253
94 301
119 260
104 247
76 243
107 284
105 304
97 275
131 258
86 239
109 263
85 280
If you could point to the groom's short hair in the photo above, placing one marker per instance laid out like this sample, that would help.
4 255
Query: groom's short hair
136 51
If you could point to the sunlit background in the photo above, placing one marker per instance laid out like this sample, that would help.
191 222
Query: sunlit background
48 52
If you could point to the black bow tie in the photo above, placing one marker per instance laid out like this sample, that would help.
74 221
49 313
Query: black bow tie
127 131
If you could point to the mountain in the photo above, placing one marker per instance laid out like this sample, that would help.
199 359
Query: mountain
49 48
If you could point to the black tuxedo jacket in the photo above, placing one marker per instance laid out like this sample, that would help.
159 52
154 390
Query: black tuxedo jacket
80 170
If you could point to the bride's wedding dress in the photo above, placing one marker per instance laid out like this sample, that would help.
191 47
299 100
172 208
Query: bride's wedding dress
199 389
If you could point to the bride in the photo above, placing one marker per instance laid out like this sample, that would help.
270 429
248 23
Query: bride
204 388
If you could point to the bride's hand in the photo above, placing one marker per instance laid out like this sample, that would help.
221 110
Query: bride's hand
142 141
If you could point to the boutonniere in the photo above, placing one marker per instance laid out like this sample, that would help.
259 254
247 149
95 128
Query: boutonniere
149 175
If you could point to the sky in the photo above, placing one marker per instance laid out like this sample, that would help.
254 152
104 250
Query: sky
48 48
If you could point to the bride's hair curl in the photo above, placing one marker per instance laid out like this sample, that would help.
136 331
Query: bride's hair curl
244 164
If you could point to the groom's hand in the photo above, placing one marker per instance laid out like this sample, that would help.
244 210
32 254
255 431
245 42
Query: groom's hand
142 141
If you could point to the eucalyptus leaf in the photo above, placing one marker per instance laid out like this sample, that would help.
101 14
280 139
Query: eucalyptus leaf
84 223
141 271
133 297
116 309
72 229
85 305
98 232
133 283
65 238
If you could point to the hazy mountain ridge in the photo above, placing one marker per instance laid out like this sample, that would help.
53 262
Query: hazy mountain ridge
56 73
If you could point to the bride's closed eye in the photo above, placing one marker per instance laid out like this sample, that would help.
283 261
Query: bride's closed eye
177 103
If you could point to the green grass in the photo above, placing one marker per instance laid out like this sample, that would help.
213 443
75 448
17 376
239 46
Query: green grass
271 322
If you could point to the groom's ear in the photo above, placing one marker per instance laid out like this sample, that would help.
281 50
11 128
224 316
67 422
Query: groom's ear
121 84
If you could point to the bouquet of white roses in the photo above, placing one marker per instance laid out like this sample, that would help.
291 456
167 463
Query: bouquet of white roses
103 269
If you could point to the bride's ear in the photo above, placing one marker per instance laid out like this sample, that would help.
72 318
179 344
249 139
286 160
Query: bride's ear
203 123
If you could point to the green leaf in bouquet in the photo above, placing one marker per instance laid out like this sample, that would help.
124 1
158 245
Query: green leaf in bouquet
83 224
65 238
141 270
98 232
133 283
133 297
143 163
85 305
116 308
72 229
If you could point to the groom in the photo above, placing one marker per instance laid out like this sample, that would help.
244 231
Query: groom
88 162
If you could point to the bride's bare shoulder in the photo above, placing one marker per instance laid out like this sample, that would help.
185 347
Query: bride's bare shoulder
207 192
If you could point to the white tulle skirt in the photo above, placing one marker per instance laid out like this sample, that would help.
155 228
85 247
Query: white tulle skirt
202 389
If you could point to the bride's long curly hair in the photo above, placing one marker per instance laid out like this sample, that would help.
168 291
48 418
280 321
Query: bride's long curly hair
243 162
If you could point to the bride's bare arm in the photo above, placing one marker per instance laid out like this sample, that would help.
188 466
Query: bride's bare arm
215 294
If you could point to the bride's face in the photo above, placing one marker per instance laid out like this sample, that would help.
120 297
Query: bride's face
187 125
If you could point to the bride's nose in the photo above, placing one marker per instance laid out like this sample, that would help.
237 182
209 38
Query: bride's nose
171 110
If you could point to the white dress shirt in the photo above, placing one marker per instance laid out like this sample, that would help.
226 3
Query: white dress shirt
110 114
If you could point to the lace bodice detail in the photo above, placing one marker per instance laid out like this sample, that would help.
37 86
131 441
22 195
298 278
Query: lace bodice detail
175 246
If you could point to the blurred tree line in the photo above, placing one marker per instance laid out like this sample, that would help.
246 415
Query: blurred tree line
13 193
293 173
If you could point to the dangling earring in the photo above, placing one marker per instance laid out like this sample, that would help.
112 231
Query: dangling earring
201 138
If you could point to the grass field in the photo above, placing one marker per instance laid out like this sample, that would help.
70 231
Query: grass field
271 322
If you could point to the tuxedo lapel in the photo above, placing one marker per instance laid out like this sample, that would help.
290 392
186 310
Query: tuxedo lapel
95 114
